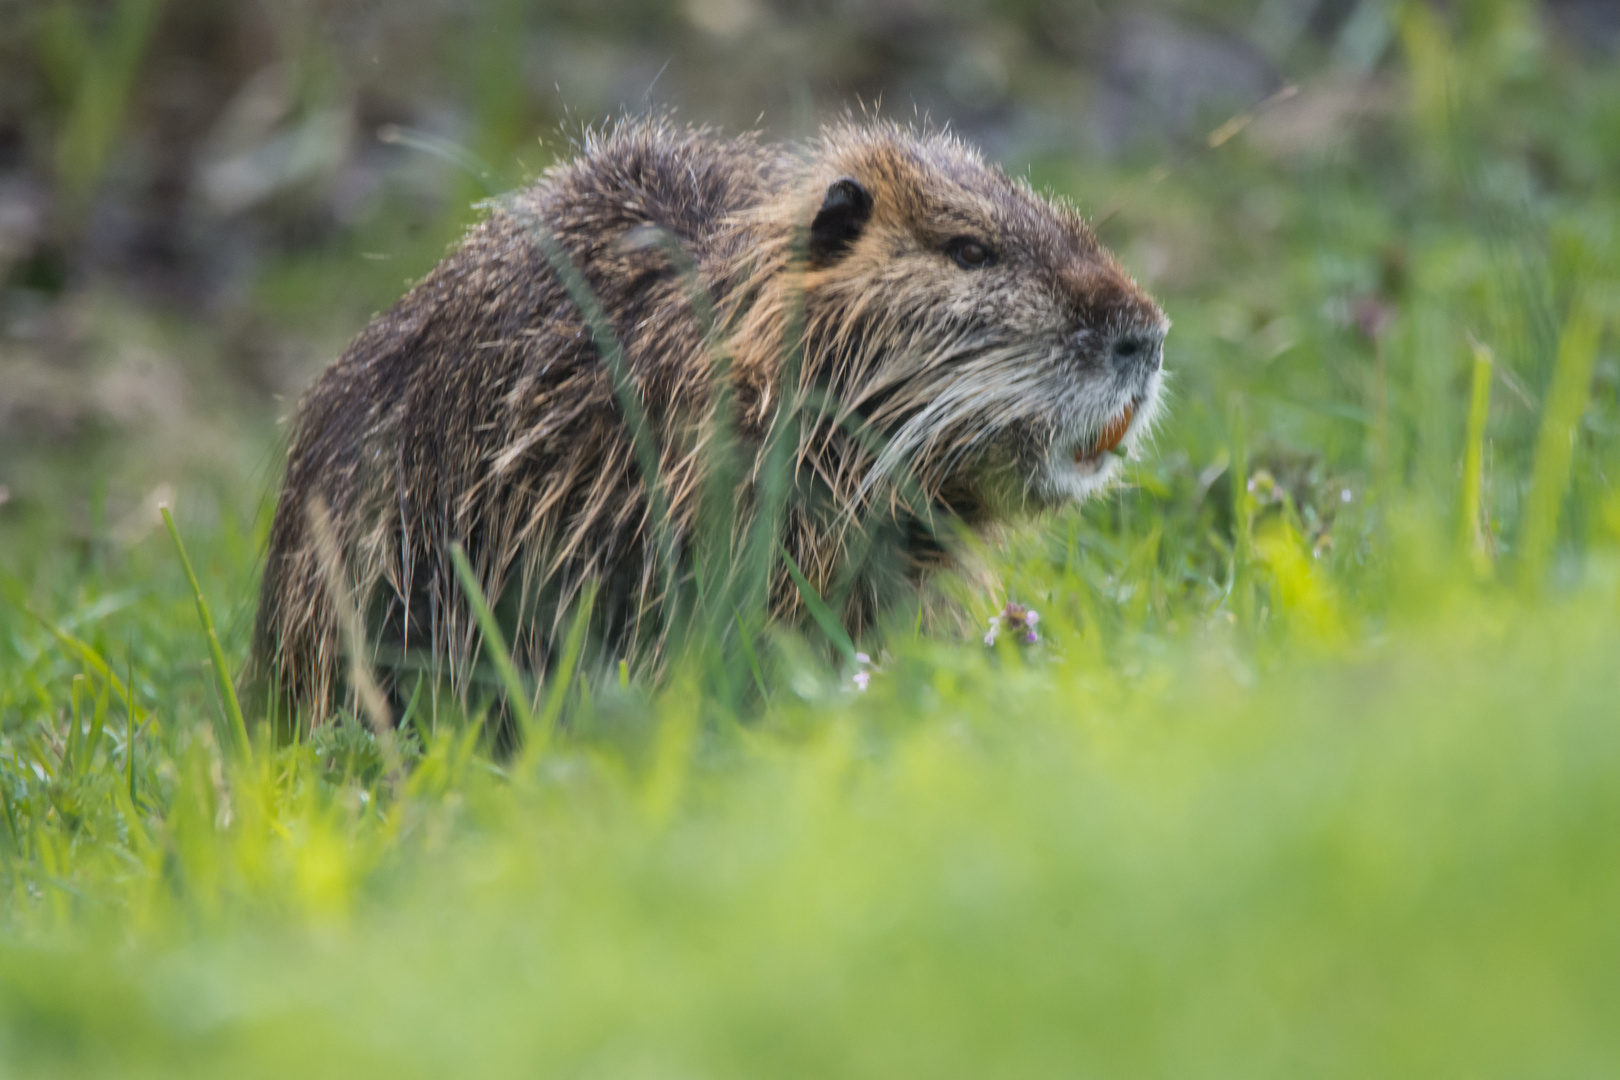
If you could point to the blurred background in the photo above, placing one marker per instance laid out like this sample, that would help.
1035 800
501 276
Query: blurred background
202 200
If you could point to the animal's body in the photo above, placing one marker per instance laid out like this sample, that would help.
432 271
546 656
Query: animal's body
974 347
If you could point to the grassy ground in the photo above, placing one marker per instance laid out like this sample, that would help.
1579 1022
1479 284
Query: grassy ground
1316 773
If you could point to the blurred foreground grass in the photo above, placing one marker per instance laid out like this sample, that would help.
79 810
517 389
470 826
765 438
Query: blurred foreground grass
1315 772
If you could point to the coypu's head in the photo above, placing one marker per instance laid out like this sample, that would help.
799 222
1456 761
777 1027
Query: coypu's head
981 328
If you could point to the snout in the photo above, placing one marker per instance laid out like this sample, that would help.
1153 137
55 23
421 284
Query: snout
1134 350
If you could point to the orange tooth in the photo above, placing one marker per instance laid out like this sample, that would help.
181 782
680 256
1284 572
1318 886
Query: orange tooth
1113 433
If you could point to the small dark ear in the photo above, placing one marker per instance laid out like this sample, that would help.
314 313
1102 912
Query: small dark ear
843 214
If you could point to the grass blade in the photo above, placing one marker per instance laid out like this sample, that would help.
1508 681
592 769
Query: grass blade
564 675
517 697
819 610
635 415
70 745
1479 410
747 640
410 714
1560 417
222 675
129 715
98 720
350 622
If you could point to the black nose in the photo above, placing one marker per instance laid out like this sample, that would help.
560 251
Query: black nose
1136 349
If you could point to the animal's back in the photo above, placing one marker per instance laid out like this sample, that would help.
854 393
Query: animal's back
478 409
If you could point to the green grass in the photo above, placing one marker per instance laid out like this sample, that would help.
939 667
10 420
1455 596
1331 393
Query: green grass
1316 771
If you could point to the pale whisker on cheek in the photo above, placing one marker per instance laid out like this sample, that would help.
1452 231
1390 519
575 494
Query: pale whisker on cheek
964 404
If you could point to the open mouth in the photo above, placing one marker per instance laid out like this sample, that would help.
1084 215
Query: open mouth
1108 441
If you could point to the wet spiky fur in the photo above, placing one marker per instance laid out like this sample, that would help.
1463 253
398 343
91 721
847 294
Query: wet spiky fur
479 409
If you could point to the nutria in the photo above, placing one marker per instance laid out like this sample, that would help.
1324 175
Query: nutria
964 346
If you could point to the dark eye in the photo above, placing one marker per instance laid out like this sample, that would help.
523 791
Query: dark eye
970 254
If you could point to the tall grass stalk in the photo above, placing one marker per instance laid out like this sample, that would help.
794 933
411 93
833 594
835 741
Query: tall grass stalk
1474 526
723 580
70 745
350 623
129 723
775 468
1238 585
643 439
351 627
1560 421
563 674
517 696
819 611
222 675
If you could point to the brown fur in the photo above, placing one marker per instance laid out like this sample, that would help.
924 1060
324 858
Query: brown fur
479 409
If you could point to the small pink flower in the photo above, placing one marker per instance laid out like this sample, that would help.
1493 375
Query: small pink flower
862 679
1017 618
